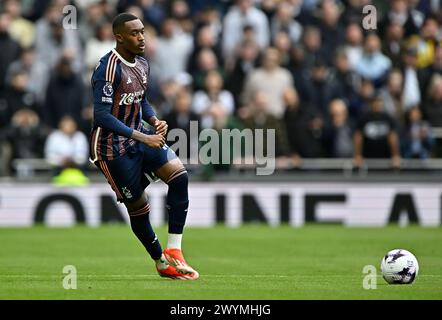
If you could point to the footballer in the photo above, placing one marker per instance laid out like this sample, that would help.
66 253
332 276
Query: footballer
126 151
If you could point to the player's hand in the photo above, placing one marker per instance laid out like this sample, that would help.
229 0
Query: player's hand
154 140
161 127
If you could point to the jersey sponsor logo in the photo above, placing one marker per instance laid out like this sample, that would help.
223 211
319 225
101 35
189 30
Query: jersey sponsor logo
108 90
106 100
131 98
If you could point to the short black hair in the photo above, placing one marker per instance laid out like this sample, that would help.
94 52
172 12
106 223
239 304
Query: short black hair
120 20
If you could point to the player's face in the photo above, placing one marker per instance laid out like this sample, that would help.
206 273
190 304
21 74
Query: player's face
133 36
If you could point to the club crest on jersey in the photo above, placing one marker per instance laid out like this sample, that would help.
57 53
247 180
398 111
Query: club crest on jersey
144 77
108 90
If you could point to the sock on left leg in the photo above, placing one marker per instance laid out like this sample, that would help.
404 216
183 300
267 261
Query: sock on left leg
177 206
141 227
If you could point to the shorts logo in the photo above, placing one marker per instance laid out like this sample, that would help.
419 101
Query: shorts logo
107 89
127 193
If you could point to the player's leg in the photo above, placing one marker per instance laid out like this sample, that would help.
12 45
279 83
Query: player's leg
141 227
127 180
164 163
124 176
175 176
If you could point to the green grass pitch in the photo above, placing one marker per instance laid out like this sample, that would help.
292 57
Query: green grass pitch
250 262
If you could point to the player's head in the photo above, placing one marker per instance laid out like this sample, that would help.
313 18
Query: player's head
129 32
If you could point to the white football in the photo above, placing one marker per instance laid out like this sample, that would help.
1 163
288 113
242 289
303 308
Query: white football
399 266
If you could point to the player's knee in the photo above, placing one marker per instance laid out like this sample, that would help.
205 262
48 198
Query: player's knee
179 179
136 205
177 196
139 210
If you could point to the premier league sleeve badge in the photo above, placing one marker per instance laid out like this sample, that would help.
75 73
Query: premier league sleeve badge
108 90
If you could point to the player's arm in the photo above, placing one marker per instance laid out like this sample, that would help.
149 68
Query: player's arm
104 119
150 117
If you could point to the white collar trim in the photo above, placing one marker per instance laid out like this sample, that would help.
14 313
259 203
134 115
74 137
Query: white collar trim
127 63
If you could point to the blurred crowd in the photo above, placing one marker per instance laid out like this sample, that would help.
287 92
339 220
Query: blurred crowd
306 68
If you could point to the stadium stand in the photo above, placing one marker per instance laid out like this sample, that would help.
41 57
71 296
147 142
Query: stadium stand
307 68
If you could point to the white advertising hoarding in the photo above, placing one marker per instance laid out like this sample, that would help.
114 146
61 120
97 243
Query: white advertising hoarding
351 204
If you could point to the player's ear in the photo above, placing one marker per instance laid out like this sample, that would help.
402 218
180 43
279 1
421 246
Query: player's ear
119 38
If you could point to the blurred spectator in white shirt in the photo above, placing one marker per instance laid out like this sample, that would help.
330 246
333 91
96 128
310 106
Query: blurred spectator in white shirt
373 64
99 45
174 47
354 44
213 93
270 79
242 14
67 147
411 94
